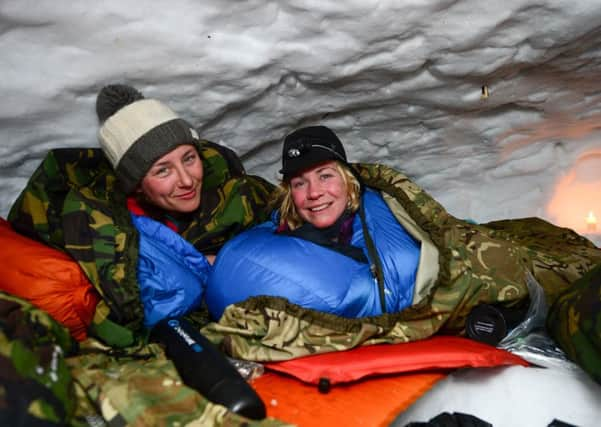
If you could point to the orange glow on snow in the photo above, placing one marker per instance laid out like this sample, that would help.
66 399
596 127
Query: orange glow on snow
577 196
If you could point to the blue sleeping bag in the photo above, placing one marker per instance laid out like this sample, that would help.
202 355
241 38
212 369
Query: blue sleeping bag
171 272
260 262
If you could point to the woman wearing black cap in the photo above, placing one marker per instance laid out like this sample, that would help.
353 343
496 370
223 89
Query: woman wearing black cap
328 274
332 245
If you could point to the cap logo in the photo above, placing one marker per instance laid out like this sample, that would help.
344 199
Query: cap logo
194 133
294 152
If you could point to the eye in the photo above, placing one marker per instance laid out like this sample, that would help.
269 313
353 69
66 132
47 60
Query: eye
161 171
190 158
297 184
325 175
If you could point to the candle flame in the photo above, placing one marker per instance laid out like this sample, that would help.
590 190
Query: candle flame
591 222
591 218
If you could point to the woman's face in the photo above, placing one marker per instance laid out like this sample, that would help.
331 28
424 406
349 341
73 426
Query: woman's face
174 181
319 194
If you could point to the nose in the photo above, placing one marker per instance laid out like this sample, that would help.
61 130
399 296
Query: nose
314 190
185 180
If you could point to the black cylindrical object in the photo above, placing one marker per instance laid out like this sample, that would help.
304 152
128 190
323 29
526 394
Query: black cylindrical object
203 367
490 324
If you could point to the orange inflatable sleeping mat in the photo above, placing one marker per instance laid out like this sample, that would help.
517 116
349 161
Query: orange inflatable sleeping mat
47 278
437 352
374 401
369 385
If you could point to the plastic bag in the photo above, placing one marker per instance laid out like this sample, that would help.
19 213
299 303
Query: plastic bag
247 369
529 338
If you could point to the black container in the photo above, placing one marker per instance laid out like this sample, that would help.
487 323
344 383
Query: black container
206 369
490 324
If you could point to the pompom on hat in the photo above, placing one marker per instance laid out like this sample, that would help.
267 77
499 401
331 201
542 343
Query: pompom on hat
135 132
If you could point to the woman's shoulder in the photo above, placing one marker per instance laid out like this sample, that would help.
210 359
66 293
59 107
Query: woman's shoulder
373 201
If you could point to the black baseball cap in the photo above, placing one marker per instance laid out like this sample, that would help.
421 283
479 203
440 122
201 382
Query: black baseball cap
309 146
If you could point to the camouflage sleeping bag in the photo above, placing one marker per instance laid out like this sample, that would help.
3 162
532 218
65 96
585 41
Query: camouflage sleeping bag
36 387
574 321
461 265
72 203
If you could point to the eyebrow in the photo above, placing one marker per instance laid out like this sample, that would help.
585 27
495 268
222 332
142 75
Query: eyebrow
326 167
321 169
168 162
163 163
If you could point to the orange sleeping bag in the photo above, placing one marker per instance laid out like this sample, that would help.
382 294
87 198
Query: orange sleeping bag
47 278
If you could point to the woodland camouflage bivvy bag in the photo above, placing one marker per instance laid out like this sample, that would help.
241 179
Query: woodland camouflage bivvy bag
36 387
574 321
73 203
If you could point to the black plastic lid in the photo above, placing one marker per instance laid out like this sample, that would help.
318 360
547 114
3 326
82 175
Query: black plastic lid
486 323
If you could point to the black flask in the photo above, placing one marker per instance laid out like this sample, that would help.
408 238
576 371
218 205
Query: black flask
206 369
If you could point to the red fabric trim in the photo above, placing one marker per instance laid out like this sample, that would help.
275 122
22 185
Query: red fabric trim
136 209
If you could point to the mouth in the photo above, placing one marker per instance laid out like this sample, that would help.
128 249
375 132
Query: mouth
319 208
186 196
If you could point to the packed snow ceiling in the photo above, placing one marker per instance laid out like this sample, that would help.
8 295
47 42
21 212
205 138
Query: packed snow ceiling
493 107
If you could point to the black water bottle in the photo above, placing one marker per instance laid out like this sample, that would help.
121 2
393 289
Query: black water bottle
206 369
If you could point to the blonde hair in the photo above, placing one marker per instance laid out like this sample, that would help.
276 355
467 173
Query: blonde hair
285 204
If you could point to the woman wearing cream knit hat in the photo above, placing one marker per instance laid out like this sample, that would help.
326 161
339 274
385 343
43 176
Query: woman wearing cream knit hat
145 215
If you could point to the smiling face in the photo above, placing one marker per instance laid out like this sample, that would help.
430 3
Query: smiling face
320 194
174 181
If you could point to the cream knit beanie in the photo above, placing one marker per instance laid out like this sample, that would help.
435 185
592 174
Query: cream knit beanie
135 132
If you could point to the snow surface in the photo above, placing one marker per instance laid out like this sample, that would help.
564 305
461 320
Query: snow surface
512 396
400 81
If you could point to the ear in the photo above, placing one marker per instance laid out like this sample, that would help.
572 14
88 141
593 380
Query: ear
139 192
